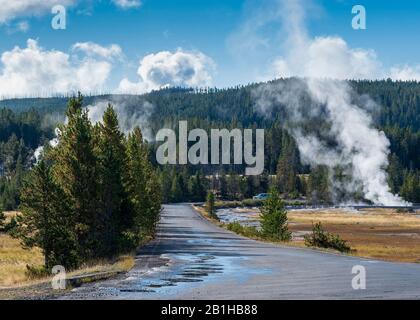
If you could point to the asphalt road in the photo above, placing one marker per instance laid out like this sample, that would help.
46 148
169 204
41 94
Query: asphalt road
194 259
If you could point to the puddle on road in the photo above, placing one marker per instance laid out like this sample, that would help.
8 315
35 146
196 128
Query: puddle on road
187 270
174 274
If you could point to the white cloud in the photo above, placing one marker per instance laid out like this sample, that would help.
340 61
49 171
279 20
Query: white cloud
167 69
294 52
127 4
405 73
12 9
94 49
328 57
36 71
319 57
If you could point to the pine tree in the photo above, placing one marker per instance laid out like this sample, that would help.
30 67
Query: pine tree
111 157
75 168
143 186
287 167
176 189
154 199
197 188
223 185
395 173
274 218
166 182
210 205
234 186
47 221
319 185
410 190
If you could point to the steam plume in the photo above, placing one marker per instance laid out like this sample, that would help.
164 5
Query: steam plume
346 136
129 117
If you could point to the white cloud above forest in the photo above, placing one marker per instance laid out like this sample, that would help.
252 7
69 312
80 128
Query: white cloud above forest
36 71
170 69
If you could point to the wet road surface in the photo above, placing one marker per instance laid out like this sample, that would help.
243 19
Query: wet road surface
194 259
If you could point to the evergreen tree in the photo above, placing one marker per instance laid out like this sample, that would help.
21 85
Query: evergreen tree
183 178
98 196
197 188
176 189
75 168
47 221
143 186
234 186
319 185
410 189
111 157
287 168
274 218
223 185
395 173
210 205
166 183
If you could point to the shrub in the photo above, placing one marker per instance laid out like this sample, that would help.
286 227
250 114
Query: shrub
247 231
128 241
252 203
323 239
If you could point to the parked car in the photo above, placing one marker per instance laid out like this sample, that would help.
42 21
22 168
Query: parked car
261 196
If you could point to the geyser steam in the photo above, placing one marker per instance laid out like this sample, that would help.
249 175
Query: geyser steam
345 137
341 132
129 116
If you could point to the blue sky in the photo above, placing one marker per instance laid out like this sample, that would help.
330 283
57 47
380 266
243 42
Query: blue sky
215 28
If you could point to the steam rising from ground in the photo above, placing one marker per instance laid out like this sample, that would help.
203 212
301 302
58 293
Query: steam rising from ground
345 136
129 117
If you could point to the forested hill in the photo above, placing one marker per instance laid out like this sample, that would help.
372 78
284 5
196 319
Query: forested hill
399 101
26 123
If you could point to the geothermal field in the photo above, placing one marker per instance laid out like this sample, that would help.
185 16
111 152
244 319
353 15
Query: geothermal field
380 233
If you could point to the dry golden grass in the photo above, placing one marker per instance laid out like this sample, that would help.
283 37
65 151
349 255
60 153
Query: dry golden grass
369 217
123 263
374 233
13 261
